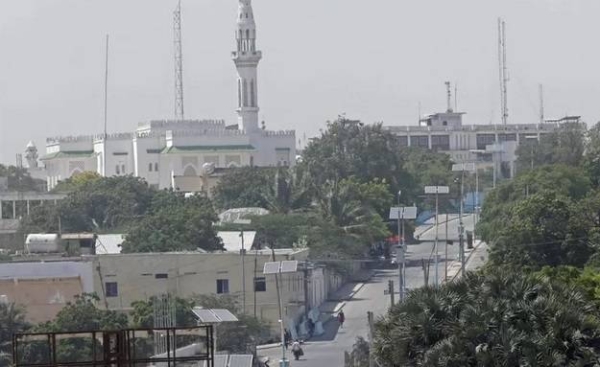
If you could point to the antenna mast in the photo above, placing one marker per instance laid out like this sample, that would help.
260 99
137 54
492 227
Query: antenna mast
541 104
449 95
503 70
106 91
178 63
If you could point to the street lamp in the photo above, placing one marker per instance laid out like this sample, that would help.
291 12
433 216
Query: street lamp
477 152
402 213
436 190
276 268
462 167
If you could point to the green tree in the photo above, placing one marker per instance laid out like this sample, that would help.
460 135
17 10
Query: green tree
497 319
18 179
351 149
542 231
565 145
94 205
175 223
12 321
142 315
243 187
591 161
77 181
289 190
359 356
564 180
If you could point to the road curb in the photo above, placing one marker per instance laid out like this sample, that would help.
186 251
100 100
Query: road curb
475 248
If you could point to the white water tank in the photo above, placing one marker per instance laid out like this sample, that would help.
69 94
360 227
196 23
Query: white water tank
43 243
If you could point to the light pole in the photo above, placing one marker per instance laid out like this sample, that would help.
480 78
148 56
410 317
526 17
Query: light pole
462 167
401 213
400 252
436 190
276 268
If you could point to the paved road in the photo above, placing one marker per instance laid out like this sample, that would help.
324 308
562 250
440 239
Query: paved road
371 298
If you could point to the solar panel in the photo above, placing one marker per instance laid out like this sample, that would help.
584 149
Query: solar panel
394 213
409 212
271 267
205 316
240 360
289 266
224 315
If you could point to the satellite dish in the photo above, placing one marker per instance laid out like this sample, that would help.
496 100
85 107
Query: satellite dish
208 168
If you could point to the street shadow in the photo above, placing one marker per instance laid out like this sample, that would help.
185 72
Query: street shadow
331 328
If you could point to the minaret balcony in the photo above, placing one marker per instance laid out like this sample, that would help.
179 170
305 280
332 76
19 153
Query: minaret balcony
256 54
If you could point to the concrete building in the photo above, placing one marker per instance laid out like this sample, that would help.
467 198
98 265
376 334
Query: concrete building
43 284
185 154
13 207
495 144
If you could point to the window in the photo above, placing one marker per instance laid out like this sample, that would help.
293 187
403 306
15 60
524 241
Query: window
161 276
260 284
222 286
123 168
150 167
111 289
117 169
156 167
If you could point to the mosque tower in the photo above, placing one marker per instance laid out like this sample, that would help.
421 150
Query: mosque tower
246 59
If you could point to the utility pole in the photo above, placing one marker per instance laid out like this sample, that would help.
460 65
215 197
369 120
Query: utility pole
106 95
306 300
391 291
437 190
461 227
179 111
446 254
503 70
243 254
541 103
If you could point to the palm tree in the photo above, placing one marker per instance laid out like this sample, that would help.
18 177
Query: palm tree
504 319
289 192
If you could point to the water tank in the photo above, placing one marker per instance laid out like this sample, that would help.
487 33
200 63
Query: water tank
43 243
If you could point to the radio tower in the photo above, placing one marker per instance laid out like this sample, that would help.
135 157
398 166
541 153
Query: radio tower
503 70
178 63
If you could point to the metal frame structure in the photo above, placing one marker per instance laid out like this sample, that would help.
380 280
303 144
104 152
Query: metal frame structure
117 348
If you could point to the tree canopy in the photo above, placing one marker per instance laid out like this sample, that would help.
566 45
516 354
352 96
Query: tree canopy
501 319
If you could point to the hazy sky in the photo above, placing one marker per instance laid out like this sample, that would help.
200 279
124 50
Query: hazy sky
373 60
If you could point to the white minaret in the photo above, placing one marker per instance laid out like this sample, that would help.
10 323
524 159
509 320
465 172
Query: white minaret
246 60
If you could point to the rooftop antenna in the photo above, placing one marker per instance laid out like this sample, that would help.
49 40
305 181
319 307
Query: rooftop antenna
106 91
503 70
449 94
178 63
455 96
541 104
419 112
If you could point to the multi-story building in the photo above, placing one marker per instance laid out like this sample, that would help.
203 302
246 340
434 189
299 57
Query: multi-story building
495 144
181 154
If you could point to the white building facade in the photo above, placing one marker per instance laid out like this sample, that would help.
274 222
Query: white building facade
180 154
497 144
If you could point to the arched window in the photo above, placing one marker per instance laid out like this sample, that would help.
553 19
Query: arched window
150 167
245 93
252 95
156 167
247 34
189 171
239 93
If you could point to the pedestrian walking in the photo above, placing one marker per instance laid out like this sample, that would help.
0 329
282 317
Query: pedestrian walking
287 336
341 318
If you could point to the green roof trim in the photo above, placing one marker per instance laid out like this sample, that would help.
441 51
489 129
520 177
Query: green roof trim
153 151
288 149
69 154
205 148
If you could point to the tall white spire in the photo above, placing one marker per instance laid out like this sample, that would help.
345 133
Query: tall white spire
246 59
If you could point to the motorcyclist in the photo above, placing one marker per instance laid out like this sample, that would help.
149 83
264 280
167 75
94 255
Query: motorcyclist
297 350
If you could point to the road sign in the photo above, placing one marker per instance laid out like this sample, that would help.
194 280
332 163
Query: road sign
437 190
406 212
